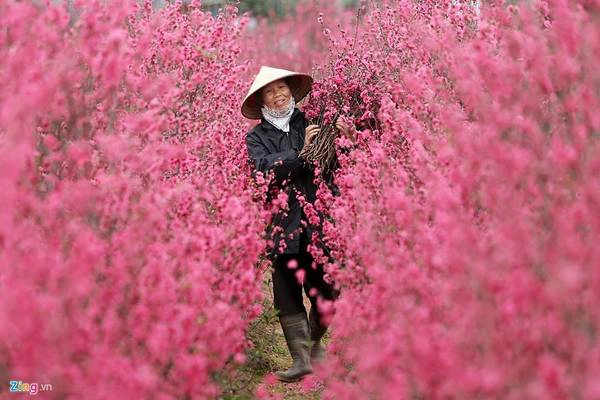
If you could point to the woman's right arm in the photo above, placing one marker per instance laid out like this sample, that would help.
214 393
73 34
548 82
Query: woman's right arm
284 164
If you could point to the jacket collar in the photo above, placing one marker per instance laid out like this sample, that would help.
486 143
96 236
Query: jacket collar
267 125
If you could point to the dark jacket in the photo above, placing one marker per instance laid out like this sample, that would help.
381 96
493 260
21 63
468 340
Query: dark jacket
272 150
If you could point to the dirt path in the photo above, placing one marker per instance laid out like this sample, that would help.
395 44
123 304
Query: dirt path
269 354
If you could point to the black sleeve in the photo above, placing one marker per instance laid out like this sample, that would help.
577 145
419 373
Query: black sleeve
329 177
284 164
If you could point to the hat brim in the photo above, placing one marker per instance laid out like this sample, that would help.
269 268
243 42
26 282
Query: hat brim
299 84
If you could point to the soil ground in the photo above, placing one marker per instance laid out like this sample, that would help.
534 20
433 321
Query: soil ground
268 354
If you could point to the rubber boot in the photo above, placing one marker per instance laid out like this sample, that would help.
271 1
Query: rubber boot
317 330
295 330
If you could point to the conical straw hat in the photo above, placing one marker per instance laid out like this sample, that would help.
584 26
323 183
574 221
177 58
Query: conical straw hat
299 84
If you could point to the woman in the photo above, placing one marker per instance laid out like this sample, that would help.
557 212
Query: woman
274 147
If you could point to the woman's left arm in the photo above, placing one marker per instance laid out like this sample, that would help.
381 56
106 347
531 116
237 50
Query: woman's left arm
347 129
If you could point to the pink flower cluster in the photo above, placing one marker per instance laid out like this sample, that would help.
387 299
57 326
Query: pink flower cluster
464 236
129 237
296 42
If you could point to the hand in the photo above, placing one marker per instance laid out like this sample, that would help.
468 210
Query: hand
310 133
344 128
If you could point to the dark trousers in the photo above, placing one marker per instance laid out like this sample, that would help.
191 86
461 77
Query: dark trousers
287 291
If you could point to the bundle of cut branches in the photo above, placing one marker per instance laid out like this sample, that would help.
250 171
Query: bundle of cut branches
321 151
